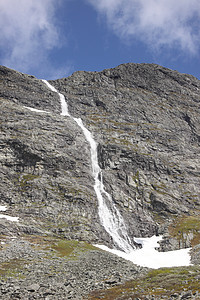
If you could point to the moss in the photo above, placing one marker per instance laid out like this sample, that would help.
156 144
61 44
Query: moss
159 186
62 247
12 268
29 177
159 218
68 190
160 282
162 190
186 225
71 249
25 180
122 141
65 248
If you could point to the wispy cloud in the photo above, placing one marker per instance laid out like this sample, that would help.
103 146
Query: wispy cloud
158 23
28 32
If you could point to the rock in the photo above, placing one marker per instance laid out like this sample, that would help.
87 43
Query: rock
40 272
45 163
33 287
195 255
174 296
187 295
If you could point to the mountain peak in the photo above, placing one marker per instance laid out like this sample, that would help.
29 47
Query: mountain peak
145 120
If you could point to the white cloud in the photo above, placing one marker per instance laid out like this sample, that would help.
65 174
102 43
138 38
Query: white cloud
54 73
156 22
28 32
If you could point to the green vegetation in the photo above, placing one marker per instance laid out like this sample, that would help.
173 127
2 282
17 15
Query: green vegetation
25 180
71 249
69 191
185 225
160 282
162 189
28 177
12 268
52 247
136 178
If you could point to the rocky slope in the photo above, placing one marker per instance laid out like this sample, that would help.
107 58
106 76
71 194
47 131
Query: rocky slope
146 121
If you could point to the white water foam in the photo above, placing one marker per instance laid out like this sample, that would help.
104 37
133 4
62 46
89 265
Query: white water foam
63 103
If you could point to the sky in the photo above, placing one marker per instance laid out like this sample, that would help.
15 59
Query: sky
51 39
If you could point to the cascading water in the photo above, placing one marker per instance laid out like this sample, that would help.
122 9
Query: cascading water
109 216
113 221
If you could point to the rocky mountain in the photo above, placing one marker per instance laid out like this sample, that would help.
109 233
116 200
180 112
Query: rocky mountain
145 119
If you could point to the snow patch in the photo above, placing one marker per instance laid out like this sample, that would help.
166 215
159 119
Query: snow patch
149 257
37 110
9 218
3 208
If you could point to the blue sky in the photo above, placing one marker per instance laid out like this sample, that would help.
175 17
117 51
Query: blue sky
53 38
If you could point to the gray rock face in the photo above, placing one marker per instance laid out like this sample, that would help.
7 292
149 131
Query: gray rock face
45 163
146 121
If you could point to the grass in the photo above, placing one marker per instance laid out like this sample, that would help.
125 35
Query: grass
160 282
71 249
185 225
62 248
25 180
12 268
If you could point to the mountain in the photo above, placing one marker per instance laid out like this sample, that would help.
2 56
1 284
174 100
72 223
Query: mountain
145 119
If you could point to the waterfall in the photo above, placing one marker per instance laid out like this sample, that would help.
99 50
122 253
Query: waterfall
109 215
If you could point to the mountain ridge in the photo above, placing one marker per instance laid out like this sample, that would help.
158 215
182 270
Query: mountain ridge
145 119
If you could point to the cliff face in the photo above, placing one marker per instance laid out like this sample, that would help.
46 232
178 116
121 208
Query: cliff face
146 121
45 162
